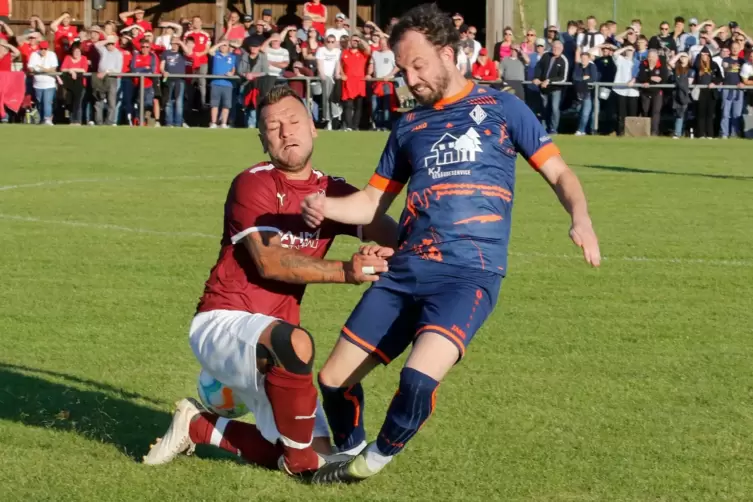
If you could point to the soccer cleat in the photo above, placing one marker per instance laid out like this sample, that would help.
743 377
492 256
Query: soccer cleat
351 471
176 440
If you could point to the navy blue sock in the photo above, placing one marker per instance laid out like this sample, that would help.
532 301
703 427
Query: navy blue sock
344 409
410 408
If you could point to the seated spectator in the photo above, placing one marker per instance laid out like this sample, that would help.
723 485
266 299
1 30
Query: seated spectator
136 17
708 73
223 63
382 67
339 29
353 73
277 56
551 69
169 30
585 73
65 34
652 72
173 61
318 14
145 61
682 77
627 97
328 68
503 49
484 68
74 66
253 67
513 72
41 63
733 100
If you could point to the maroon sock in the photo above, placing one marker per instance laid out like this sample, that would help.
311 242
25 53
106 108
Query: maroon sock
239 438
293 400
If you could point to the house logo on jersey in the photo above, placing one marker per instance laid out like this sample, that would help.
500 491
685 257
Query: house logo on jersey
300 241
451 150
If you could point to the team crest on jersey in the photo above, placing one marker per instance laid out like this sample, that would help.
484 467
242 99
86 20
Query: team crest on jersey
478 114
301 240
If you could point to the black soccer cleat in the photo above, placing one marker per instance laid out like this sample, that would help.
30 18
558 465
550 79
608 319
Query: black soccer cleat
349 471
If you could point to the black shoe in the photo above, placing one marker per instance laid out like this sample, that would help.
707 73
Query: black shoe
335 473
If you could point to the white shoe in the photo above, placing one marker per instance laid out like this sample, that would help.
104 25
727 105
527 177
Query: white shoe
176 440
213 126
186 126
157 124
91 123
344 456
48 122
578 133
224 126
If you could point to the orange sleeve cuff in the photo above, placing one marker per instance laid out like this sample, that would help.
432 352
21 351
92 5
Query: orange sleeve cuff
384 184
543 154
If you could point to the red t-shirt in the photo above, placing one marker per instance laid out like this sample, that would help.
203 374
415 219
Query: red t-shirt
237 32
27 50
81 64
317 10
354 67
486 71
143 23
201 41
69 32
5 62
145 61
127 56
262 199
3 36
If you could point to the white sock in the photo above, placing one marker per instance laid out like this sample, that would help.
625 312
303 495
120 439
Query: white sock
375 459
355 450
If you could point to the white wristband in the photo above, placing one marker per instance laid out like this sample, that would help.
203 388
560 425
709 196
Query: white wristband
368 270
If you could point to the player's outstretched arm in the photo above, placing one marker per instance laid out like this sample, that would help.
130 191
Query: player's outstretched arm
277 263
359 208
565 184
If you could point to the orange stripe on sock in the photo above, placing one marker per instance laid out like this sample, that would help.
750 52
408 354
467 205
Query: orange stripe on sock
365 345
353 399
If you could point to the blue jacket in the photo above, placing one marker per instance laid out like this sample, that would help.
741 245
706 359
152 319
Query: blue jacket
581 82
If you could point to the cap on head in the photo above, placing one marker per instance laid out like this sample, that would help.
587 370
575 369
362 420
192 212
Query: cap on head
266 12
693 21
540 42
340 16
44 44
483 52
248 19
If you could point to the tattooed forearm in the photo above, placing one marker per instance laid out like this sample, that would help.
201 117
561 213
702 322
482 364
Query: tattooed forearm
301 269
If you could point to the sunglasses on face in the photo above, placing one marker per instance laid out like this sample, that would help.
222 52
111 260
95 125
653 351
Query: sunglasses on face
665 28
331 41
530 34
471 32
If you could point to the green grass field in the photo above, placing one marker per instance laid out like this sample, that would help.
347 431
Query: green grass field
631 382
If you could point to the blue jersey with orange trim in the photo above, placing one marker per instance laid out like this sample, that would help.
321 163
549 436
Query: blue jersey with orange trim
458 160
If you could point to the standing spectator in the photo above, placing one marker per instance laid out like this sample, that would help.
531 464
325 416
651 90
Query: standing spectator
173 61
570 42
584 74
65 34
663 43
472 34
552 35
382 67
532 93
679 35
484 68
106 89
136 17
277 56
125 85
353 72
253 66
11 94
169 30
463 63
627 97
223 63
723 36
746 73
309 48
248 26
652 72
307 25
503 49
27 48
262 29
145 61
591 37
290 43
528 47
6 32
344 43
200 62
551 70
7 54
607 69
682 75
513 72
641 53
266 17
611 34
339 30
328 68
637 26
234 29
733 100
318 14
708 73
458 20
691 37
36 24
704 40
42 63
73 67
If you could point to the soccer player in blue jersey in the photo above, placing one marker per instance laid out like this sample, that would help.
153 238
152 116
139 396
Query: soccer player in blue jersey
456 153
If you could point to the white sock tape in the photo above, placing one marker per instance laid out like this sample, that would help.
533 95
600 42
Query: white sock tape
218 431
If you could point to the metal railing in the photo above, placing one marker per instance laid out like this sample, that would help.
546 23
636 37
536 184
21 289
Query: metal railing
596 86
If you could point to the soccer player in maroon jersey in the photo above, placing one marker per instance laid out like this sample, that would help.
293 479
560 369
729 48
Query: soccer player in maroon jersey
456 154
245 333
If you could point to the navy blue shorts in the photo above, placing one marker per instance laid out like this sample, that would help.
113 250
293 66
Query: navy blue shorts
451 301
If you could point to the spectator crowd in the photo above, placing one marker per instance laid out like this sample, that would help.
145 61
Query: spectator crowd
74 77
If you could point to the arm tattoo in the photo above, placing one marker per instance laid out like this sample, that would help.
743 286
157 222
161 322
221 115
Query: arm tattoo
288 265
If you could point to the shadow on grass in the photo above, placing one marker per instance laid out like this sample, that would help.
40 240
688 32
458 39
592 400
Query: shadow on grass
97 415
621 169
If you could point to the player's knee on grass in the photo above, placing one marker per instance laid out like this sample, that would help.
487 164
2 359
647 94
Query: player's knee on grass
291 348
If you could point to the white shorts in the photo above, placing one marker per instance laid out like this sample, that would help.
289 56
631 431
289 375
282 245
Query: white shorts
224 342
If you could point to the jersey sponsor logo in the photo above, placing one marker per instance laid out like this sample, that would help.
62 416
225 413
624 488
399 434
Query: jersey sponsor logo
454 150
281 196
420 127
436 173
300 241
478 114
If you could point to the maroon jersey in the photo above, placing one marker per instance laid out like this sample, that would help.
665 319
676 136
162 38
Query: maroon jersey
262 199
